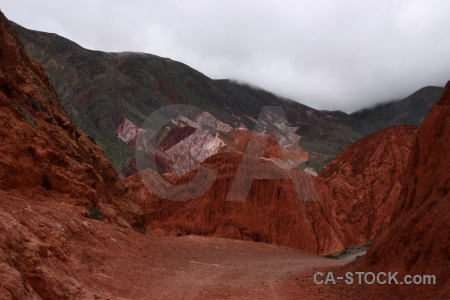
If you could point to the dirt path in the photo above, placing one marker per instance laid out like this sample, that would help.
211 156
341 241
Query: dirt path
95 260
194 267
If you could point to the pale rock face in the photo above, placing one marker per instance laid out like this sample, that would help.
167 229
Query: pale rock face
202 120
186 154
311 172
190 152
285 135
134 136
127 131
289 139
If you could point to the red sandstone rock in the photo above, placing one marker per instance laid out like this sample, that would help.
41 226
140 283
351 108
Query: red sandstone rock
42 151
272 212
364 182
419 241
47 163
358 193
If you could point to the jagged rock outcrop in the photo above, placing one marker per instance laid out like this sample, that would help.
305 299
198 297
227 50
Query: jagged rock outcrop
181 149
357 192
188 154
174 149
272 212
365 181
41 148
46 163
418 242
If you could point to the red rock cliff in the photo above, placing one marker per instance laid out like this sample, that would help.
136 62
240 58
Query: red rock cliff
272 212
358 193
365 180
418 242
41 150
50 173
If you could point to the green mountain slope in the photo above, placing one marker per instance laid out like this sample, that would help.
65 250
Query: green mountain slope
101 89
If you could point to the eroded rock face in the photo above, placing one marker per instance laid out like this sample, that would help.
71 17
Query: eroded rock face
272 213
202 120
177 150
357 192
418 242
41 148
365 181
45 161
188 154
127 131
181 149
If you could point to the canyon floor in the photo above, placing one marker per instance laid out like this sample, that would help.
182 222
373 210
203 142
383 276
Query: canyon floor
114 262
193 267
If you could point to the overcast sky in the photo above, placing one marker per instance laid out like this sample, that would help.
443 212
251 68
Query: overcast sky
327 54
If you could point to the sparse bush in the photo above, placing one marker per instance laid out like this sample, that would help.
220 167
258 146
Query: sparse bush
337 255
94 213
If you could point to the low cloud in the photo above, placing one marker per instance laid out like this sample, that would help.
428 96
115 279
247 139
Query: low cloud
327 54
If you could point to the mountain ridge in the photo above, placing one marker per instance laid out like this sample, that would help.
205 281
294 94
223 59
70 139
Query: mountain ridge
123 85
101 89
410 110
